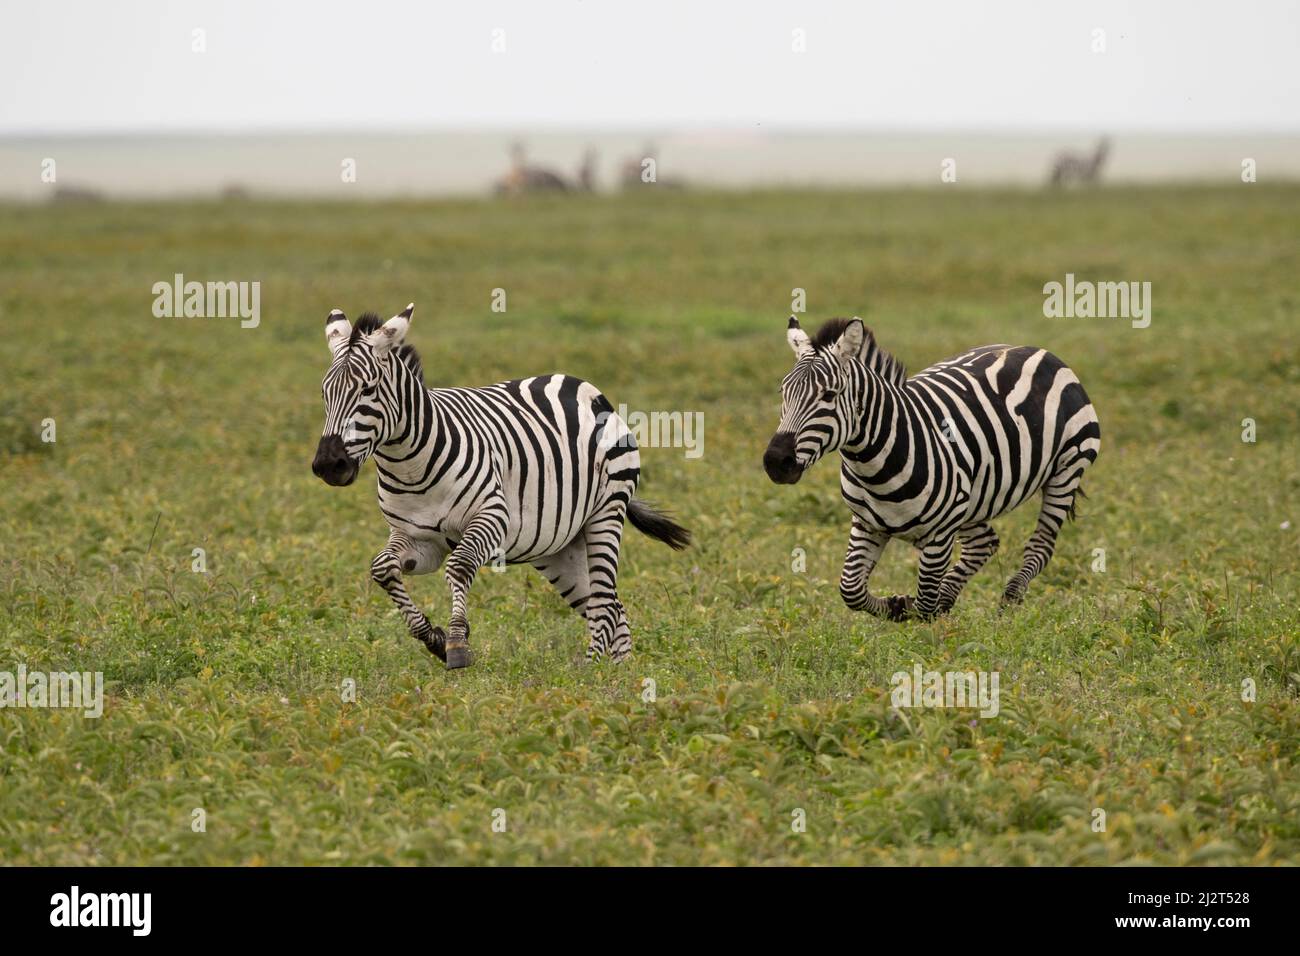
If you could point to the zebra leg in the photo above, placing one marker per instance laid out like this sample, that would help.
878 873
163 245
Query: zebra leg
482 540
622 633
386 571
567 572
606 620
934 563
865 547
1058 504
979 542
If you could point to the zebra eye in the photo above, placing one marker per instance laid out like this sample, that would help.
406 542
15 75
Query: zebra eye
828 395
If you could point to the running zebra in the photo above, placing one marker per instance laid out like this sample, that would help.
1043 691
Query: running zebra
933 458
537 470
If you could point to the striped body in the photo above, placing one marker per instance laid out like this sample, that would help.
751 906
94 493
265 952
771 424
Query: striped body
966 443
933 458
541 455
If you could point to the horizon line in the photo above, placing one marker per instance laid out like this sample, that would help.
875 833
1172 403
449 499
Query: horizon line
645 129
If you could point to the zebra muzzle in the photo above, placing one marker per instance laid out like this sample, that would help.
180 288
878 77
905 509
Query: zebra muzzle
332 464
779 460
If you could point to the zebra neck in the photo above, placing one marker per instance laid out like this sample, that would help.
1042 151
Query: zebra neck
881 429
415 436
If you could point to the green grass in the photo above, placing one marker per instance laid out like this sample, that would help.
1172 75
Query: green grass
1120 690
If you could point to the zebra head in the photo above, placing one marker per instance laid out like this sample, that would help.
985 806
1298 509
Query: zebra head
816 410
360 401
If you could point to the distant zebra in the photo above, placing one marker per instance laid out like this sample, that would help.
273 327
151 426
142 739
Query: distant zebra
537 470
1083 168
524 177
933 458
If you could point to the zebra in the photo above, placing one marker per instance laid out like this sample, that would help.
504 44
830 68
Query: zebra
933 458
524 177
536 470
1079 166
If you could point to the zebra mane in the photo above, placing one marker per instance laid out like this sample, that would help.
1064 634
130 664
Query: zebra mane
873 356
370 322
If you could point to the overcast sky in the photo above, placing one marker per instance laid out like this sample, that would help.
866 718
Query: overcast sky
1170 65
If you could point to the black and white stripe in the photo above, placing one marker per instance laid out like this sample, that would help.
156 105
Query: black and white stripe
537 470
933 458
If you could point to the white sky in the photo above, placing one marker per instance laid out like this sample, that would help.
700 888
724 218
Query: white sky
1194 65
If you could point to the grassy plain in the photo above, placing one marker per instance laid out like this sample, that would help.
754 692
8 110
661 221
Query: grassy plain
1120 690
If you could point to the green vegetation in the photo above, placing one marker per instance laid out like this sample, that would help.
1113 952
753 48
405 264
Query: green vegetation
1120 690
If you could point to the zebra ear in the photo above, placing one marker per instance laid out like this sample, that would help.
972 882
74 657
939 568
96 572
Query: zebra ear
849 344
797 337
392 333
337 331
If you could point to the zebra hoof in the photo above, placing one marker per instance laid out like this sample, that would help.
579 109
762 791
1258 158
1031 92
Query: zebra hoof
899 607
457 657
1011 597
436 643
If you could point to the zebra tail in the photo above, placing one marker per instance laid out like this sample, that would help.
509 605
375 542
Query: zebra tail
1072 514
657 525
